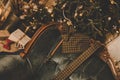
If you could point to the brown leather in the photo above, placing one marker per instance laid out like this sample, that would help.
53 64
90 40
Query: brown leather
35 36
75 43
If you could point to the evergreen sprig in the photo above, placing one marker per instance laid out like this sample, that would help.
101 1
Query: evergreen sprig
93 17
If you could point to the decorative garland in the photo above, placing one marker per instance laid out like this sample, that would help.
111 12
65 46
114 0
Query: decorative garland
95 18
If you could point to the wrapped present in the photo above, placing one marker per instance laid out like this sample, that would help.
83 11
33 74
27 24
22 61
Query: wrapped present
20 38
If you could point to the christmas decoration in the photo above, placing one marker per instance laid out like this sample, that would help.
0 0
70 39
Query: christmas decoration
93 17
32 15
